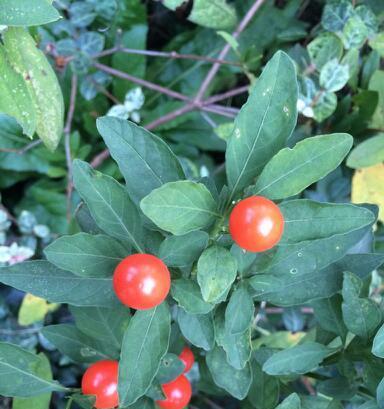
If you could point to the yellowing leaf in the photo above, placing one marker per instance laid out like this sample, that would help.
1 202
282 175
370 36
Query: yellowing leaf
368 187
279 340
34 309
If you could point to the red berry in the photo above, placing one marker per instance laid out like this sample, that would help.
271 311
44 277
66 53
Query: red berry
187 358
256 224
177 393
141 281
100 379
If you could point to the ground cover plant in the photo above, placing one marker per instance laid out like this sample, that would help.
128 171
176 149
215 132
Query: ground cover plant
201 206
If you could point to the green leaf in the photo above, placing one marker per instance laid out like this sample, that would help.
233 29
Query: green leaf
324 48
264 123
41 81
182 251
377 43
109 204
371 404
105 324
362 316
325 106
380 394
76 345
187 294
86 255
239 311
235 382
141 156
333 75
309 220
15 99
264 391
20 368
329 315
197 329
237 347
336 14
27 12
291 402
368 153
319 402
294 289
144 345
180 207
216 271
306 257
292 170
354 33
142 403
378 343
170 368
376 83
216 14
296 360
42 401
44 280
369 18
339 387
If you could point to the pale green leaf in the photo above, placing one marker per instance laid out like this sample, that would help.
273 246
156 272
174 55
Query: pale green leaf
141 156
264 123
180 207
216 271
44 280
109 204
144 345
292 170
235 382
27 12
296 360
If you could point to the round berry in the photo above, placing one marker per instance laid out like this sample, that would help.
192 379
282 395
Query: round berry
177 393
141 281
256 224
187 358
100 379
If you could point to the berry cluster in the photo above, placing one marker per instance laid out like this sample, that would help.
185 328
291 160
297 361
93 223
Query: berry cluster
143 281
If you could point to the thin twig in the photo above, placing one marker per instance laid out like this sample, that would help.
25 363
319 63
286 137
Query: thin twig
100 158
226 95
307 384
23 150
208 119
170 116
260 313
67 142
165 54
215 67
139 81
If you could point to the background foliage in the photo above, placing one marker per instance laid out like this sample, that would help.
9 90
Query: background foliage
318 295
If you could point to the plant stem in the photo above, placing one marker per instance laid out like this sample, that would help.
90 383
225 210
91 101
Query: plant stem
67 142
164 54
170 116
23 150
139 81
215 67
226 95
